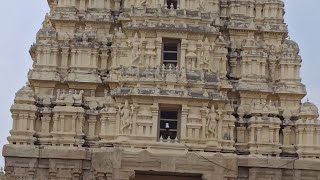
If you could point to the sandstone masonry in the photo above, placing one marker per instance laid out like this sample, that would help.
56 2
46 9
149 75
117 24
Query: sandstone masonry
193 89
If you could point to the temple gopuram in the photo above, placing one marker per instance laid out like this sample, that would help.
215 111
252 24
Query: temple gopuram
163 89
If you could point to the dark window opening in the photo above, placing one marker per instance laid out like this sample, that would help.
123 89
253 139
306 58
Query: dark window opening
169 124
170 53
173 3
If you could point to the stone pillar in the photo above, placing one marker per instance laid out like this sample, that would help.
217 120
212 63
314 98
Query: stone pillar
103 121
184 119
300 130
55 122
233 65
54 60
258 12
220 122
79 126
39 55
92 123
241 134
90 3
317 137
282 73
310 132
182 4
252 135
244 68
277 135
72 3
82 5
117 5
62 122
159 51
271 134
94 59
15 123
263 70
45 123
108 5
114 60
290 73
223 67
231 133
258 134
104 59
183 54
155 120
112 121
64 57
286 135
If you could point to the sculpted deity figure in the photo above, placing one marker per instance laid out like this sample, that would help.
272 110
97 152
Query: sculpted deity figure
150 53
136 50
212 123
206 50
191 56
108 98
203 5
221 39
120 37
125 117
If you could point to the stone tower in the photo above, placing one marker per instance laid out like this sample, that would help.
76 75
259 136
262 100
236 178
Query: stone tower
176 89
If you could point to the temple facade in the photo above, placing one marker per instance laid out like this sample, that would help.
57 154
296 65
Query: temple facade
164 89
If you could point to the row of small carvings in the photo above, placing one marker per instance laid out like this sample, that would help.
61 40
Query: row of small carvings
79 58
114 124
127 4
248 8
156 24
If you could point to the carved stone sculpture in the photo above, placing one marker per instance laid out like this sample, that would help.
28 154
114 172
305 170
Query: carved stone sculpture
125 118
212 123
185 89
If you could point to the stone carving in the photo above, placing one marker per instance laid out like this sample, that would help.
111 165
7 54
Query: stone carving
25 92
92 57
206 54
107 100
136 49
78 98
150 54
126 113
120 38
212 123
191 56
69 99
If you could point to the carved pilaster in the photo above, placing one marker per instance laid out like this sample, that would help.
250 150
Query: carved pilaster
184 119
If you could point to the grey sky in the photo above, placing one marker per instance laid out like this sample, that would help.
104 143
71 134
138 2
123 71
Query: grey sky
21 19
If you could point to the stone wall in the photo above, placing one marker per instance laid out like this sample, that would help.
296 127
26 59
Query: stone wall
91 106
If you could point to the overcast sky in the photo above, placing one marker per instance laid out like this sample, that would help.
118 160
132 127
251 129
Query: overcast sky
21 19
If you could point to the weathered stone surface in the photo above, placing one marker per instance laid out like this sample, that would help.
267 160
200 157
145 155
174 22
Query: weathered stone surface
91 108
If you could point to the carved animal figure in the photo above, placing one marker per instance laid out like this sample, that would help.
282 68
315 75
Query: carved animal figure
78 97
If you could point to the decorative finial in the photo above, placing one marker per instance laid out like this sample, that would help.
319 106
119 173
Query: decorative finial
176 139
168 139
